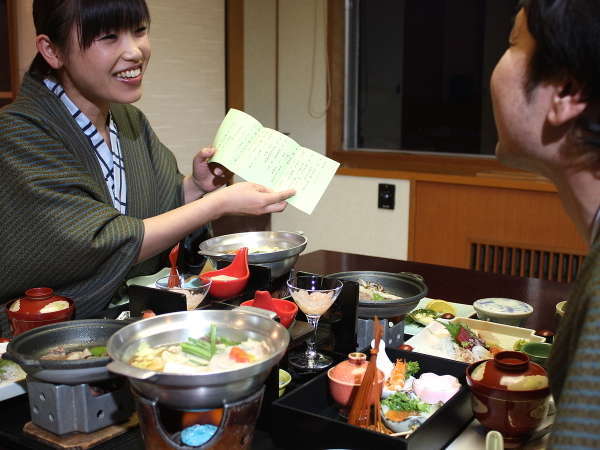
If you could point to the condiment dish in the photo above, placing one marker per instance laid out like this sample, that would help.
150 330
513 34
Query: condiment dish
285 310
230 280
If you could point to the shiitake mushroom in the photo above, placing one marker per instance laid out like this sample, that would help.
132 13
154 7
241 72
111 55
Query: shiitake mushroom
447 316
406 348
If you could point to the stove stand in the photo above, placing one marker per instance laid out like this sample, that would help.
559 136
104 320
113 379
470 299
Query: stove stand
393 334
85 408
235 431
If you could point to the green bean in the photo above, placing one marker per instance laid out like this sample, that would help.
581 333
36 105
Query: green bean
196 351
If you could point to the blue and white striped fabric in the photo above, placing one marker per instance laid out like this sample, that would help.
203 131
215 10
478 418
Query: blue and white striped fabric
111 161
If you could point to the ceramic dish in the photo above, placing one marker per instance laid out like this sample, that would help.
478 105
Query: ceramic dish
431 342
461 311
14 385
284 379
503 310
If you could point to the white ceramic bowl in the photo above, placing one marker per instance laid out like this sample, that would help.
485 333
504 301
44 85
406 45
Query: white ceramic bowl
507 311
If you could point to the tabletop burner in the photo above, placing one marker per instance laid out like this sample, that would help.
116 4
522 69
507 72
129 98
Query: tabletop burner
85 408
161 426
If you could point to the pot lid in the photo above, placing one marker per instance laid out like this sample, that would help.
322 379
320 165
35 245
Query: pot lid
352 370
509 371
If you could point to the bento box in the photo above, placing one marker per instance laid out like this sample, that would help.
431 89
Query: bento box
308 417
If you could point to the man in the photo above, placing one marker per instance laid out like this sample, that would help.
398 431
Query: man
546 98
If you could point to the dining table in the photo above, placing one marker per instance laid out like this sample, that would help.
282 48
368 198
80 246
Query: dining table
448 283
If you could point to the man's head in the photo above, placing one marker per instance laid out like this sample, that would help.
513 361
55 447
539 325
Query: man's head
546 87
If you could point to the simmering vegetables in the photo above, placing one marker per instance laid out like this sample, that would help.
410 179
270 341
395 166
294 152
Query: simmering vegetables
210 353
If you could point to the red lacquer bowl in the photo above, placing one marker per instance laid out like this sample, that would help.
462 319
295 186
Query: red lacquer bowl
285 310
346 377
509 394
30 313
238 271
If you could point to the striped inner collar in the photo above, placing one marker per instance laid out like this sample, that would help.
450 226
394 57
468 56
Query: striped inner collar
109 158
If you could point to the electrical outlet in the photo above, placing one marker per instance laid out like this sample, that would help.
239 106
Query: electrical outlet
387 196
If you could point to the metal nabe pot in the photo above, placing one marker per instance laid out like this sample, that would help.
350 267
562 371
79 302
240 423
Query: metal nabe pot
411 287
197 391
27 348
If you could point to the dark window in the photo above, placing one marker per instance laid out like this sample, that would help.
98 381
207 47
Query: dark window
419 73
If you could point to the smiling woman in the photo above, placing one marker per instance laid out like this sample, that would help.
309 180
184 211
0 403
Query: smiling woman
92 181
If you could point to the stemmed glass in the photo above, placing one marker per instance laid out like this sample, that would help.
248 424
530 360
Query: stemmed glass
313 295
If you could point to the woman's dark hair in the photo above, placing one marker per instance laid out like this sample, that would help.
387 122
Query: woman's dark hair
55 18
567 36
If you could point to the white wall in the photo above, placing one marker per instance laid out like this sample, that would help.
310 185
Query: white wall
347 218
184 86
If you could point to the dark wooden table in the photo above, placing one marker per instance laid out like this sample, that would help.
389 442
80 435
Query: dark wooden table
457 285
452 284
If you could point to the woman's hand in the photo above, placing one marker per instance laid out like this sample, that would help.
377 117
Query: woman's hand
252 199
208 176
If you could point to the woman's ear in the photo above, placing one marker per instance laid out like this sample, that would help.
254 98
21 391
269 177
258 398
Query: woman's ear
49 51
567 104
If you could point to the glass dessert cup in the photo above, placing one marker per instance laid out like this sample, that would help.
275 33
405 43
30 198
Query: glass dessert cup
314 295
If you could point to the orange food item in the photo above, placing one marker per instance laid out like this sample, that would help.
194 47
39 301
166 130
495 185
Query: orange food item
495 349
398 376
239 355
399 416
148 313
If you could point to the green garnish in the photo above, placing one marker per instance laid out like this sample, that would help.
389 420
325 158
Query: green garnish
213 339
518 346
98 351
401 401
227 342
420 316
376 296
412 367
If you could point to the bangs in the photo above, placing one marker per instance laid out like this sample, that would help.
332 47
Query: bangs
96 17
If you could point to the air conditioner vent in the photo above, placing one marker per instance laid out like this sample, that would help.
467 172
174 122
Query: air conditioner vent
525 262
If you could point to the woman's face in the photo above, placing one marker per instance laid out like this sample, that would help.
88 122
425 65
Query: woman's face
109 71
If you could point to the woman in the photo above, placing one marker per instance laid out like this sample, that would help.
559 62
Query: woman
546 98
89 194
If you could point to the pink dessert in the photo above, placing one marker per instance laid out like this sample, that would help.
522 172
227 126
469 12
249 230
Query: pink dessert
432 388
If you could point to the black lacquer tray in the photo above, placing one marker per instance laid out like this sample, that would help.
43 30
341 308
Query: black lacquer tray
307 417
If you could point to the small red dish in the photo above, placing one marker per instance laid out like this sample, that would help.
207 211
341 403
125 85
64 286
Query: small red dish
285 310
30 313
237 273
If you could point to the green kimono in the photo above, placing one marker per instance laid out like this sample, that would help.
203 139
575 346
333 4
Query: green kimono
60 228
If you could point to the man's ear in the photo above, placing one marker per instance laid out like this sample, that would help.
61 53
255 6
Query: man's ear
567 103
49 51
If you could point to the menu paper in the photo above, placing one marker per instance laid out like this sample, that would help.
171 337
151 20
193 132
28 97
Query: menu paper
265 156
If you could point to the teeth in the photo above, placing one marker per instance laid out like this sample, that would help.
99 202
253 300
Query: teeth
129 73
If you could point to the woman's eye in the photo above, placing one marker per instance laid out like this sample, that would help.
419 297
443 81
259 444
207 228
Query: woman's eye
107 37
141 30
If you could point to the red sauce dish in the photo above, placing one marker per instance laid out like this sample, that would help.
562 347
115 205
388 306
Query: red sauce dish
285 310
230 280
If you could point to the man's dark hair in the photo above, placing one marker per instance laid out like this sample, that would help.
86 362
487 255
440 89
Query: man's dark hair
55 18
567 36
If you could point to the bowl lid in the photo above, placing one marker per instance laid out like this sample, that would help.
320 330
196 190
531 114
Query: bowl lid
508 372
39 301
503 306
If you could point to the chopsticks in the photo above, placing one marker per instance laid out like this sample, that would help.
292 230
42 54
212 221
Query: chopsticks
360 413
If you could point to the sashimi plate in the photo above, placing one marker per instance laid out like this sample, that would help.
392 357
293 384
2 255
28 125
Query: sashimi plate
12 377
433 339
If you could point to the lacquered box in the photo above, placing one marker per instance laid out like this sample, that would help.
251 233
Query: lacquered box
308 418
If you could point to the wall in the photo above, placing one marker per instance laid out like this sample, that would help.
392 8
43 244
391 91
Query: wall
347 218
184 86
